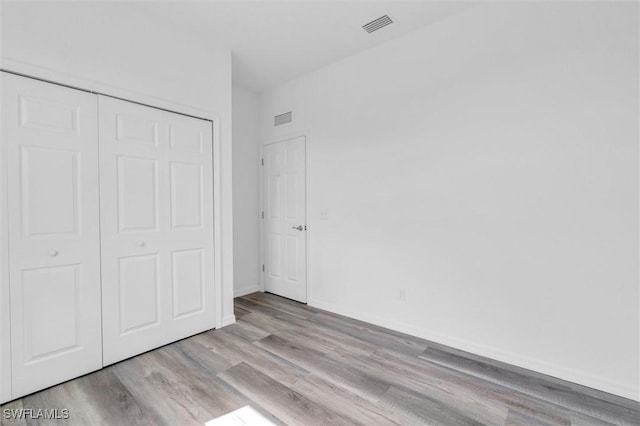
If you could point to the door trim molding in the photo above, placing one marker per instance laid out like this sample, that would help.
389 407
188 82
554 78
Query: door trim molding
261 201
5 315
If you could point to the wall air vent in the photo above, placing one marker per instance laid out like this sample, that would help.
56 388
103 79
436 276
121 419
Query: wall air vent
281 119
376 24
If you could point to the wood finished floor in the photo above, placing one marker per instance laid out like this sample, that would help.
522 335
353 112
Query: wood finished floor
302 366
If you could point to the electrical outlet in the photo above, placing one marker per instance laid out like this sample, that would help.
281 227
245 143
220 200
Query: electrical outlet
324 214
402 294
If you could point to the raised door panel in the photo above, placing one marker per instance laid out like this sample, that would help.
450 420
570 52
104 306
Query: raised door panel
48 115
52 179
135 296
51 307
137 194
187 195
185 136
187 282
49 189
292 260
274 255
137 127
138 285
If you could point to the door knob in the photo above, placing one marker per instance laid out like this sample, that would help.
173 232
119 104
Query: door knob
140 243
299 228
53 253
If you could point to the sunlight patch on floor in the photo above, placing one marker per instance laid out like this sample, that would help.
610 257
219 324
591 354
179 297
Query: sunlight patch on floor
246 415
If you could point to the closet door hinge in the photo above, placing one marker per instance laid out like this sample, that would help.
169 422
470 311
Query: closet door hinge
262 215
262 161
263 268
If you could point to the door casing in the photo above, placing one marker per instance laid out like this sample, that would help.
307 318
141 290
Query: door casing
5 350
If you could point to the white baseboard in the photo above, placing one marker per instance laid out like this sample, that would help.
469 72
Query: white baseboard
247 290
555 370
228 320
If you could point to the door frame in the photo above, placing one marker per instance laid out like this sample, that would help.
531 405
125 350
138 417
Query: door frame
262 200
5 325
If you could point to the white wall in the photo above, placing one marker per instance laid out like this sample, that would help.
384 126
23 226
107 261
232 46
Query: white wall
487 165
246 254
117 49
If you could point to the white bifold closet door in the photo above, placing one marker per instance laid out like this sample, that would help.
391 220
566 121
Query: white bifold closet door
51 141
156 192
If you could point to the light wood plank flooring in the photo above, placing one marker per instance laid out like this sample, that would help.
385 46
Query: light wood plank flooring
286 363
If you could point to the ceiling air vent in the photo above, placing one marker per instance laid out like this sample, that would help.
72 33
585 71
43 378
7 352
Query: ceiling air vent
281 119
376 24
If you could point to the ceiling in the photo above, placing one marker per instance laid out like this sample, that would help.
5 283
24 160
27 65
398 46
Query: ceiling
276 41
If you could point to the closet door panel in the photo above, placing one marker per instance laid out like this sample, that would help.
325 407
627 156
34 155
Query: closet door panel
134 281
52 178
157 227
190 231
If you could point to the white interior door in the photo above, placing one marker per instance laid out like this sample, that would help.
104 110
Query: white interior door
156 187
285 228
52 179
